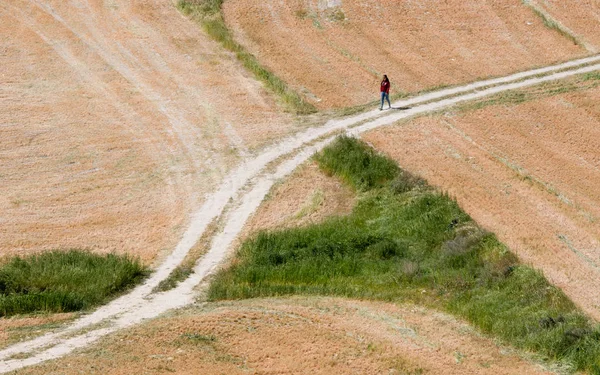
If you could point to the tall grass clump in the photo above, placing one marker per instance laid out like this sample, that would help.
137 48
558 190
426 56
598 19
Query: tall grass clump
403 242
357 164
58 281
208 14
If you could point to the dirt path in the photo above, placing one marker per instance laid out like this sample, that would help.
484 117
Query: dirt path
116 120
246 187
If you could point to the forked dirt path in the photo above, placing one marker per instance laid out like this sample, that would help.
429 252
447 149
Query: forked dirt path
238 197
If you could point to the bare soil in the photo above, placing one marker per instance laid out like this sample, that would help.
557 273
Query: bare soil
306 197
296 336
335 51
527 172
117 118
22 328
581 17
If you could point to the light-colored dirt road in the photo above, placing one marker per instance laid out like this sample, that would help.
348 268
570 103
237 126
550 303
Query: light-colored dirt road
256 179
335 51
117 118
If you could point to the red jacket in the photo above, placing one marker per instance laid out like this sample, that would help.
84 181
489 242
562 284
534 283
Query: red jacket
385 87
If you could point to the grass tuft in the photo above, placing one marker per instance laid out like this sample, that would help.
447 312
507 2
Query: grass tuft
415 245
179 274
208 14
198 338
593 76
58 281
357 164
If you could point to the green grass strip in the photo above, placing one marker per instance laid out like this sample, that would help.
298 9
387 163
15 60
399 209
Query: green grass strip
179 274
208 14
62 281
406 242
553 24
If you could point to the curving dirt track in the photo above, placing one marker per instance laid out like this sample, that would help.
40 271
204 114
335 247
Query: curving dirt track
117 117
335 51
141 304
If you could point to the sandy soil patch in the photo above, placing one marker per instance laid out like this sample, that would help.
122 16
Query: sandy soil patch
335 52
527 172
581 17
117 118
296 336
306 197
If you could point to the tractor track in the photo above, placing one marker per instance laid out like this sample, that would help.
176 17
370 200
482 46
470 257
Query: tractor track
238 196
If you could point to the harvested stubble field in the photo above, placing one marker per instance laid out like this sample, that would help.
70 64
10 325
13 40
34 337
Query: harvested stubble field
581 19
296 336
335 51
116 119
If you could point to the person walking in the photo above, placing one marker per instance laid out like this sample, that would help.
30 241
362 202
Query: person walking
385 92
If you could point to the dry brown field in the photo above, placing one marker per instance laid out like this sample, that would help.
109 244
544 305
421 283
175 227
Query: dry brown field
528 172
335 51
306 197
579 18
296 336
117 117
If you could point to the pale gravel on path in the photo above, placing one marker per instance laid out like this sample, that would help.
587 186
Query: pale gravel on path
140 304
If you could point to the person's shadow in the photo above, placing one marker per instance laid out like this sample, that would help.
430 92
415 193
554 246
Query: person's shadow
396 108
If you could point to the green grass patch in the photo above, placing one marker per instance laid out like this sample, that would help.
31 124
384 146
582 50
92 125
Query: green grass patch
198 338
593 76
179 274
58 281
405 241
208 14
357 164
